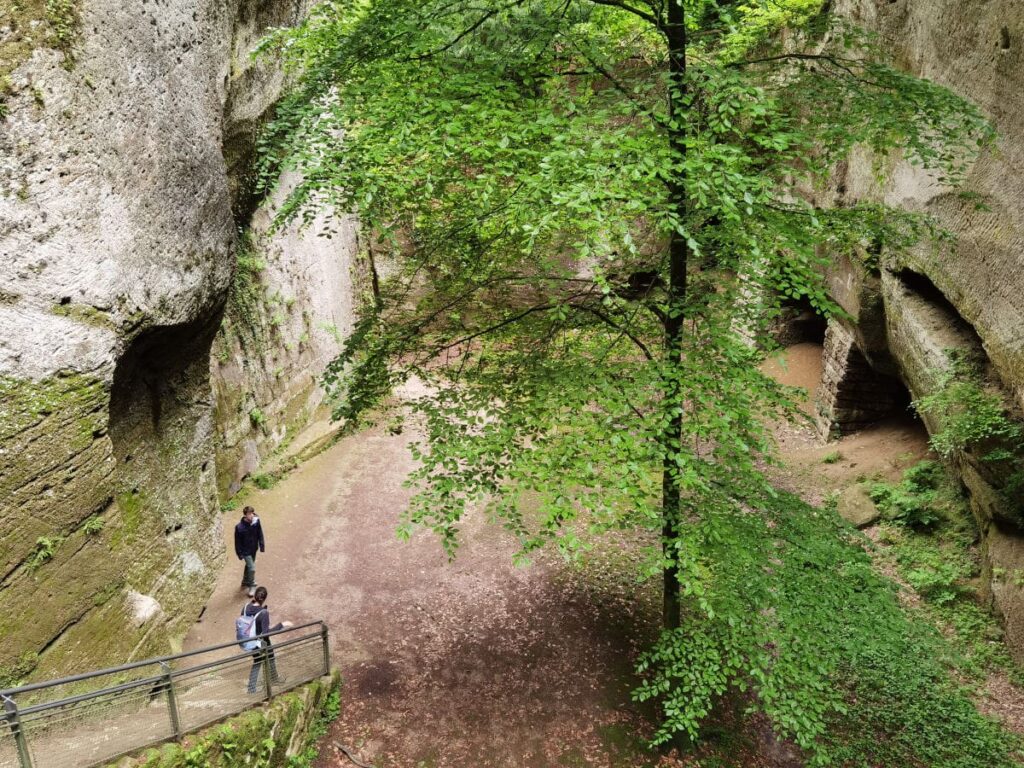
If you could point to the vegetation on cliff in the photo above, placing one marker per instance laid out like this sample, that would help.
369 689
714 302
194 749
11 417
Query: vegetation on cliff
31 24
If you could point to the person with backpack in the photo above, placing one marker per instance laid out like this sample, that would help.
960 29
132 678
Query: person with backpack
250 628
249 541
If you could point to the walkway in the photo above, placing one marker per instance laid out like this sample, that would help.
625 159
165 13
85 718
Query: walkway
476 663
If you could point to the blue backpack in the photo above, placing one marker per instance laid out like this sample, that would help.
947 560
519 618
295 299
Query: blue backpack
245 630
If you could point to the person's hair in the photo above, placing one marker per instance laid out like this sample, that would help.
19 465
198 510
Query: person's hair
260 595
247 510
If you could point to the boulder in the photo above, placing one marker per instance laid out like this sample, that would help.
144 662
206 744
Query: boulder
856 507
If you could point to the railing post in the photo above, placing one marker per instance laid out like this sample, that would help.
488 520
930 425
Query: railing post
172 700
11 715
327 649
265 650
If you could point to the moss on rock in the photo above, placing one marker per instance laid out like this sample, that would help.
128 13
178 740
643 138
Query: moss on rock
54 460
31 24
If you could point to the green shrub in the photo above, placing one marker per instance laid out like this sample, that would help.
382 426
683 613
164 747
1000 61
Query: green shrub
917 500
971 415
93 525
45 548
878 692
935 578
264 480
257 418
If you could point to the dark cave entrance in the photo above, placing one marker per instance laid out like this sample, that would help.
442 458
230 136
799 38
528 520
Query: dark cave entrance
799 323
161 428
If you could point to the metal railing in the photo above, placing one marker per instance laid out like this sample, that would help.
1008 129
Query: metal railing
94 718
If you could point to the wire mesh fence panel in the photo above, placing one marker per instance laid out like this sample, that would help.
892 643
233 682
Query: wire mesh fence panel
91 719
98 728
206 695
67 689
297 663
8 746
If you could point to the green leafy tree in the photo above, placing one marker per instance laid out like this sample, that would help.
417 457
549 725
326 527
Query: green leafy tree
579 217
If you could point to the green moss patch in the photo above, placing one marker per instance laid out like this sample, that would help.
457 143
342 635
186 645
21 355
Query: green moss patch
37 24
84 313
26 403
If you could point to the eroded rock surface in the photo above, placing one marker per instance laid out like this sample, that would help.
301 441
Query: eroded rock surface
912 317
118 240
286 319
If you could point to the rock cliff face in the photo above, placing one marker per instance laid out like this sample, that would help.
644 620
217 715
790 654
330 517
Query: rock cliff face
289 309
913 317
117 250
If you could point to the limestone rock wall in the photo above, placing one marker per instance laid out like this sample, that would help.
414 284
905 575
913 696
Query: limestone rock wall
290 303
118 245
115 245
908 315
979 54
289 310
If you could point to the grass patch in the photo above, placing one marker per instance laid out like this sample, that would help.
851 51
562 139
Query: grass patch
265 480
930 539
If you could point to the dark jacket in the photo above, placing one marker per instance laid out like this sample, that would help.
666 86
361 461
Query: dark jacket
262 614
248 538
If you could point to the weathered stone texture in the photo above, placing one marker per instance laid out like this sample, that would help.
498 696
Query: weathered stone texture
118 242
254 86
980 55
852 394
856 507
115 253
117 249
274 341
267 358
968 297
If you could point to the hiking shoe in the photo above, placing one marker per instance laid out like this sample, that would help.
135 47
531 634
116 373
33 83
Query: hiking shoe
251 591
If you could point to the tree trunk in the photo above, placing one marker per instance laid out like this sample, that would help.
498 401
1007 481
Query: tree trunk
679 253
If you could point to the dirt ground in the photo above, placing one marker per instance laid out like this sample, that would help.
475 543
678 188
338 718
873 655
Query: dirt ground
882 451
473 663
477 663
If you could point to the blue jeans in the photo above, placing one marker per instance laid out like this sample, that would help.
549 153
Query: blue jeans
249 574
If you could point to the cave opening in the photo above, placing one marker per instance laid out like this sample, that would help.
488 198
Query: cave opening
799 323
854 395
161 426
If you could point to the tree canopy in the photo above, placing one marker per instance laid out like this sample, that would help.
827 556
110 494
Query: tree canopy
579 219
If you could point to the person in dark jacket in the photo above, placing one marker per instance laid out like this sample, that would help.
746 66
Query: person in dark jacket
249 540
258 608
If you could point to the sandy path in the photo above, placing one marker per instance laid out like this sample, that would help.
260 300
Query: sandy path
474 663
881 451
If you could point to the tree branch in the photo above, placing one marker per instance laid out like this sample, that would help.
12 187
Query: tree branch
611 323
650 18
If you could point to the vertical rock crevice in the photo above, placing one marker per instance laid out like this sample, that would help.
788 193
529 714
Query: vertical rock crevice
161 425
